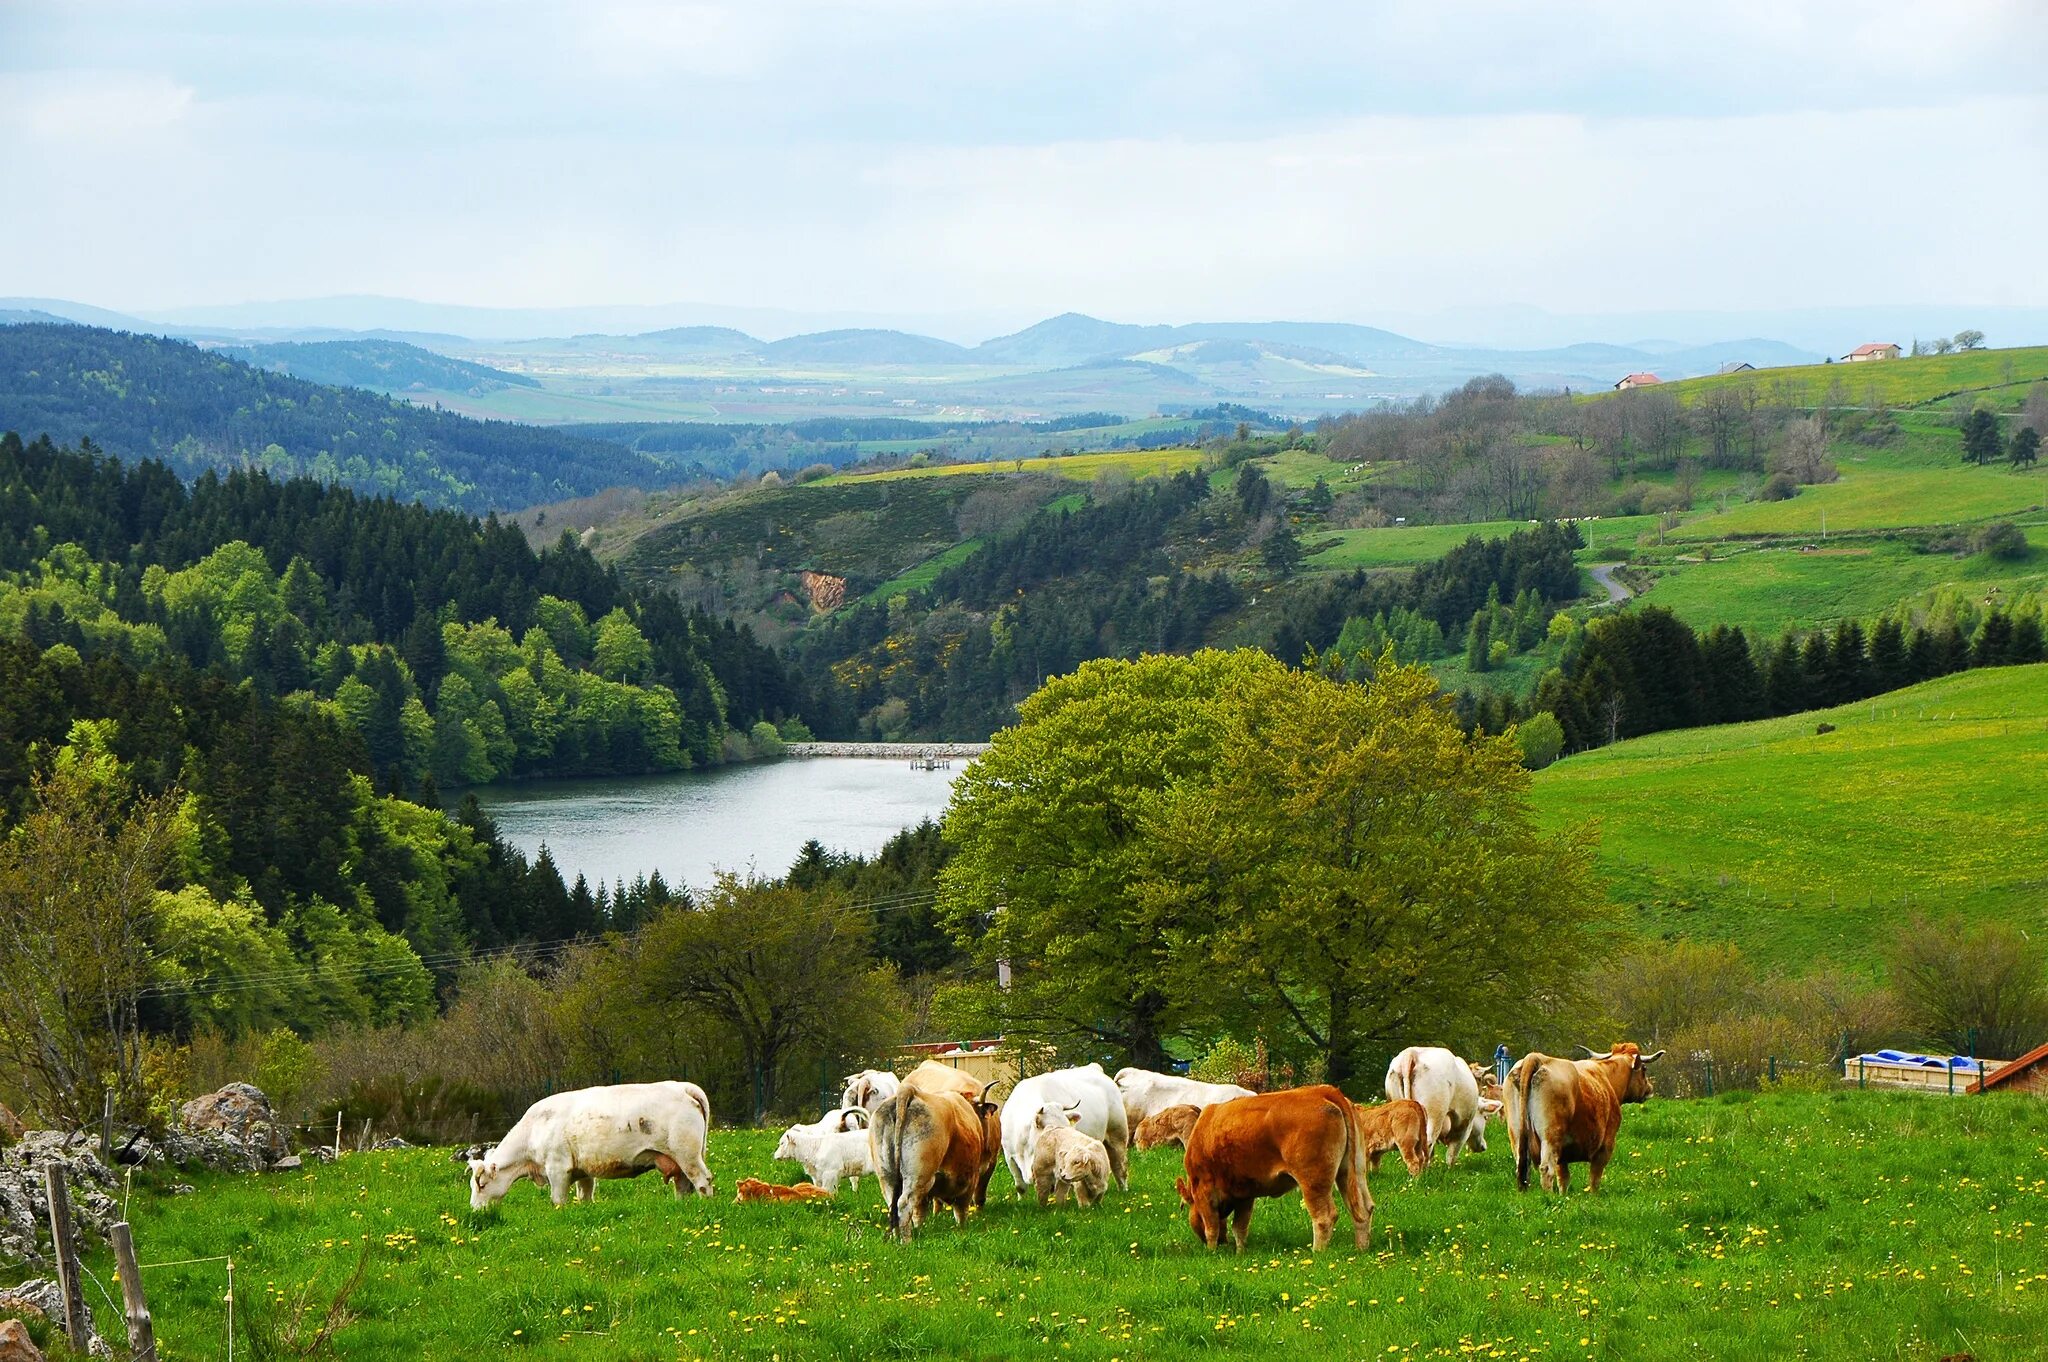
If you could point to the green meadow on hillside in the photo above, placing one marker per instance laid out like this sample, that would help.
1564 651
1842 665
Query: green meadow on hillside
1138 463
1807 847
2001 374
1831 1225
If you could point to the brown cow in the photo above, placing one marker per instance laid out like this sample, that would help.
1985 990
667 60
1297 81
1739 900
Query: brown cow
933 1147
1170 1126
1268 1144
932 1076
1564 1111
753 1189
1400 1124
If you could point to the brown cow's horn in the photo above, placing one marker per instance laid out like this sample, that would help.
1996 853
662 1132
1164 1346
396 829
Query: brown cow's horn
1652 1059
1586 1050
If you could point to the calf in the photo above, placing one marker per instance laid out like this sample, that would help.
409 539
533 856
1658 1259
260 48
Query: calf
1401 1125
1266 1145
1099 1110
1448 1089
1169 1125
1146 1093
829 1152
1562 1111
1064 1157
753 1189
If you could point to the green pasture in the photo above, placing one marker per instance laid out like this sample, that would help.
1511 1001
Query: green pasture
1777 587
1138 463
1879 496
927 572
1397 546
2002 374
1807 847
1835 1224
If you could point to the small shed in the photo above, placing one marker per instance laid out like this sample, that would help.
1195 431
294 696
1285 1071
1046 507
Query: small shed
985 1061
2028 1073
1949 1075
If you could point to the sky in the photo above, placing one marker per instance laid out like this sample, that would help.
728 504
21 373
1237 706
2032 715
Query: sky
977 165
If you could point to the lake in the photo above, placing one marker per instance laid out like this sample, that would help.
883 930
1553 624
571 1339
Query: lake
749 817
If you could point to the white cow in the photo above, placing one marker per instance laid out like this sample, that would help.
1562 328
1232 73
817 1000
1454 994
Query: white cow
830 1148
1455 1113
869 1088
1099 1111
1146 1093
575 1138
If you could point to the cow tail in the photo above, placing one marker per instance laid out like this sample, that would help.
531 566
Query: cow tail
1525 1141
1404 1075
885 1141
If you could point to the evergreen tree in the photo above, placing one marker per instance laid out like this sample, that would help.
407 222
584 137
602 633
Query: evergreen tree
1981 443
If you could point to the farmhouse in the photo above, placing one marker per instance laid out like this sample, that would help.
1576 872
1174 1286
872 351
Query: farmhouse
1636 381
2028 1073
1736 366
1874 350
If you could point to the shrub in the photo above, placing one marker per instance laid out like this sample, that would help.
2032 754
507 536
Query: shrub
794 729
1985 982
1541 737
1658 500
2001 539
813 472
286 1069
1778 487
767 742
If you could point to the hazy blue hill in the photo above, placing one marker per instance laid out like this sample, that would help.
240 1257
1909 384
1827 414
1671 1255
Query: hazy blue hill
703 340
148 397
385 365
1074 338
862 346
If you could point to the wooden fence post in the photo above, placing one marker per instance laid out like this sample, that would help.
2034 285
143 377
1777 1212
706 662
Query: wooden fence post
141 1330
65 1250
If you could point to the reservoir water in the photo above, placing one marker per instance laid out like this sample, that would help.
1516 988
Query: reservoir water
753 817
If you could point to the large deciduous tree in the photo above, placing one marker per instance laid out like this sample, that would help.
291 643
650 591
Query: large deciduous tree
1178 846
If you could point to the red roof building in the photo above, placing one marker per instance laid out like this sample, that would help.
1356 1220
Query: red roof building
1874 350
2028 1073
1636 381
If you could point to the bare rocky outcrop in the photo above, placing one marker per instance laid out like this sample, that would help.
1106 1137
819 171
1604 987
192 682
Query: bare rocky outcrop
231 1128
827 592
25 1202
40 1296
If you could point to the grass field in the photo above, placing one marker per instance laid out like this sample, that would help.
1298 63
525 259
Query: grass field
1834 1225
1805 847
1138 463
1778 587
1878 496
1899 382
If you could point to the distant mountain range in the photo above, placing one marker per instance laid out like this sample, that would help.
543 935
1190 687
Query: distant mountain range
547 366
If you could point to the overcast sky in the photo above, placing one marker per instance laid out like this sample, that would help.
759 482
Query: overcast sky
1146 162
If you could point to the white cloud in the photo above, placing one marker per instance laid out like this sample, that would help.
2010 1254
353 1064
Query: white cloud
91 106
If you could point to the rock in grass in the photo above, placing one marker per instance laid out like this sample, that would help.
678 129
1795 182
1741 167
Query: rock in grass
233 1127
16 1345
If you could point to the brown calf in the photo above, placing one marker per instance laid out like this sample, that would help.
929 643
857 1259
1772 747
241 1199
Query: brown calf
1267 1145
1168 1126
753 1189
1400 1124
1562 1111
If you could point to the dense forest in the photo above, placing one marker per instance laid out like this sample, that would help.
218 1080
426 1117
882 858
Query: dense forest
385 365
148 397
450 648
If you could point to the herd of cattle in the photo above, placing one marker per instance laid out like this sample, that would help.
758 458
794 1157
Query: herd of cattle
933 1137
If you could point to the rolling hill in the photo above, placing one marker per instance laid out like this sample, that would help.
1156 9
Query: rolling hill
146 397
381 365
1805 846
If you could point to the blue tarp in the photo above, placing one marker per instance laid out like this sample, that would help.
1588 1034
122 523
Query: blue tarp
1924 1061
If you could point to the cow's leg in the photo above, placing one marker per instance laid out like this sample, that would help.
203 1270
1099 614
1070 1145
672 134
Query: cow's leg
1240 1222
1120 1163
1564 1176
1018 1176
1358 1200
586 1187
560 1178
960 1212
1595 1166
827 1178
1322 1212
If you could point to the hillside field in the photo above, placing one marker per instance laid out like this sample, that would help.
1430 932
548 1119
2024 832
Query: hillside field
1820 1224
2002 375
1806 847
1138 463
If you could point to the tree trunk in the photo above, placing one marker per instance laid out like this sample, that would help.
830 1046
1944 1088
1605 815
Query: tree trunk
1341 1054
1148 1049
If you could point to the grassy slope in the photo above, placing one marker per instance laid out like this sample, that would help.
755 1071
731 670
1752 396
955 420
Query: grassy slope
1775 588
1850 1225
1806 847
1898 382
1136 462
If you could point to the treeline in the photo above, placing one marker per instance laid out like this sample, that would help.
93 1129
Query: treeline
447 644
148 397
1067 586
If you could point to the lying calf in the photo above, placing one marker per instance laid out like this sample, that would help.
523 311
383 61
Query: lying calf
753 1189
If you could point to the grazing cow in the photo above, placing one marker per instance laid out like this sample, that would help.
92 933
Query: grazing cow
1401 1125
1169 1125
1147 1093
1268 1144
831 1148
753 1189
1448 1089
1563 1111
575 1138
1086 1091
933 1147
868 1089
